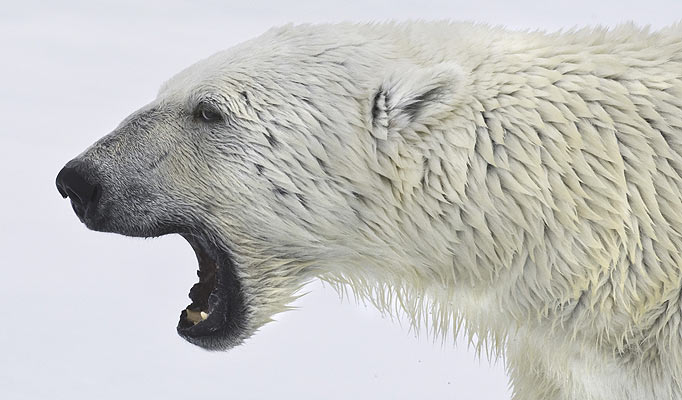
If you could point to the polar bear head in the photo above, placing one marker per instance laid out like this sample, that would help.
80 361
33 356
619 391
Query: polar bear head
289 157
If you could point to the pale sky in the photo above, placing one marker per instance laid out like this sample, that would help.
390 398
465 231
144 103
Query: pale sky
88 315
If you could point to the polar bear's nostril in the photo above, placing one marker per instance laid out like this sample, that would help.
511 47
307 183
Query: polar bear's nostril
72 183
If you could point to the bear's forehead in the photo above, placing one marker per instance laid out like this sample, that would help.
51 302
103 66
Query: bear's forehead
214 71
278 54
226 72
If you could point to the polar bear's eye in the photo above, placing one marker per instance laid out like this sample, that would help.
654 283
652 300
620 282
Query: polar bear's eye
206 113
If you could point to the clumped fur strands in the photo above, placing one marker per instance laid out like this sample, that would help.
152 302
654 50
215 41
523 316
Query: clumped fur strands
436 316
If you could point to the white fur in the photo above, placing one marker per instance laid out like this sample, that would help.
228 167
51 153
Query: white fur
526 183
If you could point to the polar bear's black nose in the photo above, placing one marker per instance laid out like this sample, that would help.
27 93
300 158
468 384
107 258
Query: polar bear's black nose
73 183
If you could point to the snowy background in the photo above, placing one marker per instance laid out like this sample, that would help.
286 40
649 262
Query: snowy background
87 315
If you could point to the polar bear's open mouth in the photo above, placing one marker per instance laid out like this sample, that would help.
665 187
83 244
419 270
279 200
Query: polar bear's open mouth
215 320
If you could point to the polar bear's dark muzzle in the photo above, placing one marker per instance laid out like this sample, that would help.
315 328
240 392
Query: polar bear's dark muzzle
107 197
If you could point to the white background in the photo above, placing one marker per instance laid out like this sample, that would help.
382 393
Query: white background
86 315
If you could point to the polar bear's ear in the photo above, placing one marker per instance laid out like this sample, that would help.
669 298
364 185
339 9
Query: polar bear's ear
415 96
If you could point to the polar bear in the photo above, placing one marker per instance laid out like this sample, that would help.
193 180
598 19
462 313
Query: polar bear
527 184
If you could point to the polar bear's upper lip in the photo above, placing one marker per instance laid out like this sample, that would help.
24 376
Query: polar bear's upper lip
218 298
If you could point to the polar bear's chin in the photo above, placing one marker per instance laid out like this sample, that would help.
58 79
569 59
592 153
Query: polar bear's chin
217 318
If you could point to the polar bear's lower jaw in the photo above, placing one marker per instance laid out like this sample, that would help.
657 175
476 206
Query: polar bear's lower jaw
216 318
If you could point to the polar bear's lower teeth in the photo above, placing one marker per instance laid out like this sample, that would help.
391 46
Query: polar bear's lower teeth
196 316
